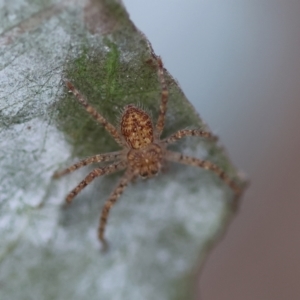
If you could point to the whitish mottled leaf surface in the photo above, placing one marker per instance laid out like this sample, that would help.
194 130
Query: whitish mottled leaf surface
160 229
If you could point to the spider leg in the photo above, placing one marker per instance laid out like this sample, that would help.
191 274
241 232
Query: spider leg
128 176
188 132
87 161
207 165
92 175
92 111
164 99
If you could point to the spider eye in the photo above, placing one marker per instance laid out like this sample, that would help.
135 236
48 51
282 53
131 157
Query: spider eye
154 172
144 174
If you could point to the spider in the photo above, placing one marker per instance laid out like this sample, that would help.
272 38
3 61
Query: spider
143 152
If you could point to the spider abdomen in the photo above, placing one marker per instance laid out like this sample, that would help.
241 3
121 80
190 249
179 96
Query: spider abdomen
136 127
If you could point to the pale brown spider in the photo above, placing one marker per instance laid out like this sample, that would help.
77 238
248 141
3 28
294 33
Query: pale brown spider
143 151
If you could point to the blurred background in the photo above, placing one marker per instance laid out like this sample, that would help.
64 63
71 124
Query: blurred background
238 62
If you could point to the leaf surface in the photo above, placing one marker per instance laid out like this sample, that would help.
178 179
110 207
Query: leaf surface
160 229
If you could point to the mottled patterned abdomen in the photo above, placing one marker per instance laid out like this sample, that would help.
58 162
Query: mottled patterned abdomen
136 127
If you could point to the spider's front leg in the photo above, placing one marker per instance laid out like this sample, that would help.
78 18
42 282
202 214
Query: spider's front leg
207 165
119 189
87 161
92 175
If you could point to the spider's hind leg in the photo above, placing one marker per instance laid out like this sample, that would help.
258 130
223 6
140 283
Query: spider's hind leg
94 113
164 99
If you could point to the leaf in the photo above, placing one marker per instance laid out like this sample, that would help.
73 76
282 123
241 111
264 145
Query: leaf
160 229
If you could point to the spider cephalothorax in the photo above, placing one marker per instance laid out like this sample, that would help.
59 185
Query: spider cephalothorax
143 152
147 160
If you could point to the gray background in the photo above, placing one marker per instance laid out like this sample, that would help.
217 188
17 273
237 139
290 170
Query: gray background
238 62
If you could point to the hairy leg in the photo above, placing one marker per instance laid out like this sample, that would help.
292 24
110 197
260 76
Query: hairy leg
87 161
92 175
128 176
188 132
92 111
164 99
207 165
